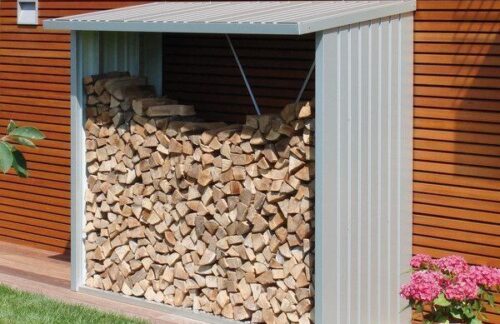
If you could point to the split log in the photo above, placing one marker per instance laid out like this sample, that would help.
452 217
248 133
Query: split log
170 110
140 105
117 87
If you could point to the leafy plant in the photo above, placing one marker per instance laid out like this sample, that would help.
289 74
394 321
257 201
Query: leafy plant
448 290
10 156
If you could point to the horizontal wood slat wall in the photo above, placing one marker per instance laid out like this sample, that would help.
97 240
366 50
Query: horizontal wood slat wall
34 90
457 131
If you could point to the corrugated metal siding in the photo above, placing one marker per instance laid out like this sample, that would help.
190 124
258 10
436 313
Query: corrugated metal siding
34 90
363 171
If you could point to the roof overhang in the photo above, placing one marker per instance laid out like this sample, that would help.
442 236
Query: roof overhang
250 17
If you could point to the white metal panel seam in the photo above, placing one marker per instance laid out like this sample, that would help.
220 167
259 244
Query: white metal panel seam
336 170
389 145
399 160
360 156
349 168
365 155
379 172
369 167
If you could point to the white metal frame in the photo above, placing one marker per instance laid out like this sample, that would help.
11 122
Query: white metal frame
78 165
363 164
363 170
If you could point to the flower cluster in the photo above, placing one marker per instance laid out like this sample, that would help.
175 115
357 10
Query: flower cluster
464 287
452 264
486 276
424 286
451 287
420 261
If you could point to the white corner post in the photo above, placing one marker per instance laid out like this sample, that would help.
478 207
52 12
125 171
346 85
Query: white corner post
363 170
84 61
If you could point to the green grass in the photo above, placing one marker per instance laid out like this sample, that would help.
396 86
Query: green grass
17 307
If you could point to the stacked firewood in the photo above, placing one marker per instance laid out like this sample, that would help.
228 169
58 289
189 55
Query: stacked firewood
203 215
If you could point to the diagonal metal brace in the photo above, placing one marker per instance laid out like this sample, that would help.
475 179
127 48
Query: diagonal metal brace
249 88
306 81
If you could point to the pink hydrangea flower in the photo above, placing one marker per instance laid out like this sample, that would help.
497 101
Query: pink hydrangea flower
463 288
424 286
486 276
420 260
452 264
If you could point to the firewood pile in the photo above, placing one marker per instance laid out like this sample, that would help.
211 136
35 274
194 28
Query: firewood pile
204 215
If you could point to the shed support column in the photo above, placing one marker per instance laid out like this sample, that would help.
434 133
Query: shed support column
84 61
325 252
77 164
363 171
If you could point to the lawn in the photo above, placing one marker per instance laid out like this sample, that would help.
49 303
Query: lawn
26 308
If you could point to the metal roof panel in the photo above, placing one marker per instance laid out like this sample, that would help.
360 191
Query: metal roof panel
239 17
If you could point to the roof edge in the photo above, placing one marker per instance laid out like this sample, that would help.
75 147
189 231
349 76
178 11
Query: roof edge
181 27
312 25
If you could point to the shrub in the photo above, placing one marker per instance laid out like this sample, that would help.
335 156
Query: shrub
10 156
450 289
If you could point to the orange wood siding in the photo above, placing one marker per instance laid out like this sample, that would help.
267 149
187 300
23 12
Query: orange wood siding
457 131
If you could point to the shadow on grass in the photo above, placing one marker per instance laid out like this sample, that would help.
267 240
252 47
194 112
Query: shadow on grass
19 307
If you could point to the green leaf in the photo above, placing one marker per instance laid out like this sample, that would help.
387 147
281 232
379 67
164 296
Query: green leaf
6 157
468 312
28 132
490 299
475 321
442 319
441 301
11 126
19 164
476 305
24 141
405 308
456 313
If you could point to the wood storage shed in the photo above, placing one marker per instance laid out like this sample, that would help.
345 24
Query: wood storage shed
357 168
